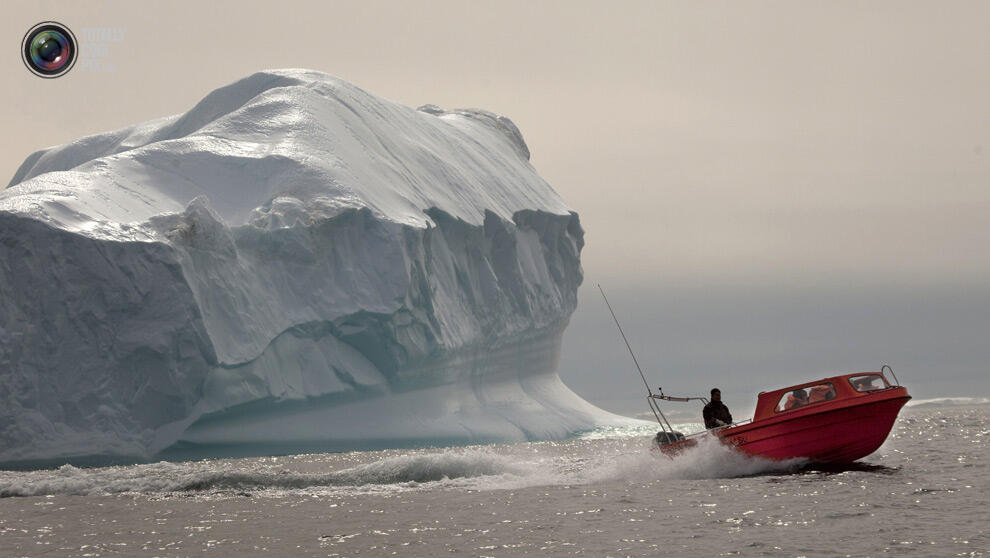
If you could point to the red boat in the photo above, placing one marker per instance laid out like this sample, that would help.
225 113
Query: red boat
833 420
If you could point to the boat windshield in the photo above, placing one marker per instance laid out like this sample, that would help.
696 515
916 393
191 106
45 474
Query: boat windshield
807 395
868 382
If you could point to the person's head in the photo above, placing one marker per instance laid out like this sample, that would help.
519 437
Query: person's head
716 394
800 394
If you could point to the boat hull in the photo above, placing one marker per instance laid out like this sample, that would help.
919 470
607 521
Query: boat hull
840 434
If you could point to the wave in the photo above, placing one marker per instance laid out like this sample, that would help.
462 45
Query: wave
611 432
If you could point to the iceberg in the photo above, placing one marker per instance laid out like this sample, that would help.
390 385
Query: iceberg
292 264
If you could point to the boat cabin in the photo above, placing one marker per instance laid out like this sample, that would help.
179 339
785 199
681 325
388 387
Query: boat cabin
770 404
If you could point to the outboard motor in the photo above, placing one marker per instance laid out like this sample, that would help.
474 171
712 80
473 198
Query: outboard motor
663 438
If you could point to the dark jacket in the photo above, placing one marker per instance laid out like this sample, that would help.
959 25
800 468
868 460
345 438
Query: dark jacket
716 410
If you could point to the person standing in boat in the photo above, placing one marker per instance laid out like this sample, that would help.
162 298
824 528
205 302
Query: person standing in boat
716 413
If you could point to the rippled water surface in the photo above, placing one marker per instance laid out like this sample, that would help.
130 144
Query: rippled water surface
925 493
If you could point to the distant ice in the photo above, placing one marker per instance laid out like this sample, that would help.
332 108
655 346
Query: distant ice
949 402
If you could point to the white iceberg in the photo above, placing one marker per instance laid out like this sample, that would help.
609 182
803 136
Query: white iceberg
294 263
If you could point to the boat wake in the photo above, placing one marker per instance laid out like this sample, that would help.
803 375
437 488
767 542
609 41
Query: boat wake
206 476
710 459
479 468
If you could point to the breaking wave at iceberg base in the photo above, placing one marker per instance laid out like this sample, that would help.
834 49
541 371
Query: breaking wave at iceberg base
480 468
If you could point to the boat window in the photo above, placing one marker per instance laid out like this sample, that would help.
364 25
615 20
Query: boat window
868 382
808 395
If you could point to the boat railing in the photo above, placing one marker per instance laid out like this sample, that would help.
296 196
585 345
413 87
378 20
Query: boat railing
718 428
887 367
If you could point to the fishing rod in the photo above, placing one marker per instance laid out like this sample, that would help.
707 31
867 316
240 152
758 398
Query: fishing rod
649 393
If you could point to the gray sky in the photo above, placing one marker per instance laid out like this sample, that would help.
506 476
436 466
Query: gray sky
771 191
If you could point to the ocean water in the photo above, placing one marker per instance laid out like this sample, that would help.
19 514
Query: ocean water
924 493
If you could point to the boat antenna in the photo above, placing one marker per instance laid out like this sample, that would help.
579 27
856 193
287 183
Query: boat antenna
649 392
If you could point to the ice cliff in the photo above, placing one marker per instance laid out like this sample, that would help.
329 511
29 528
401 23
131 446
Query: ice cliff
294 263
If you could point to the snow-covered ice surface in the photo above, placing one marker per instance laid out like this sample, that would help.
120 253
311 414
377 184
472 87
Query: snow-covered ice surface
294 263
